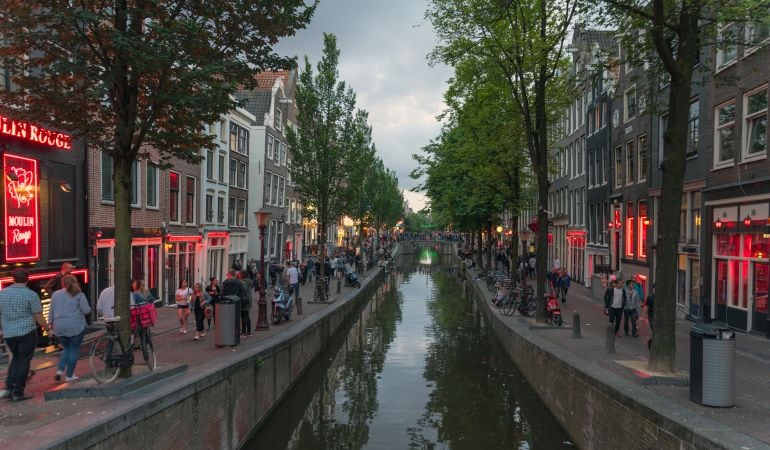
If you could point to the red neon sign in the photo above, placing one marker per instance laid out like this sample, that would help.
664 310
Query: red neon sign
7 281
21 209
33 133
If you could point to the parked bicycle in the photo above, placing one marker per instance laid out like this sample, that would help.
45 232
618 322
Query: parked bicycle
322 289
109 353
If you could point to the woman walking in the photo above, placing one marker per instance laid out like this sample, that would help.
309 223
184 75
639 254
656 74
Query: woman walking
140 293
199 301
213 290
67 315
183 297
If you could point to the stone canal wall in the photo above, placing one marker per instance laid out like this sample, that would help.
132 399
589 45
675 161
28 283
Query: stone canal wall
598 409
219 407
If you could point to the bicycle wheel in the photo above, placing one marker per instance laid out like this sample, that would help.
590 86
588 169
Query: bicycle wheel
148 351
99 358
507 308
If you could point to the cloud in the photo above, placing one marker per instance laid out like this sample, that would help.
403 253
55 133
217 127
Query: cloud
383 49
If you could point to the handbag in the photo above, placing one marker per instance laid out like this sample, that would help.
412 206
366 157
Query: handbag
208 311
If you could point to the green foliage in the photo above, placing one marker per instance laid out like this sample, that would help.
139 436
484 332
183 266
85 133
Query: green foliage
130 76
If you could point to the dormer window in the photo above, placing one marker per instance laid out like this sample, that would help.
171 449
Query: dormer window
278 119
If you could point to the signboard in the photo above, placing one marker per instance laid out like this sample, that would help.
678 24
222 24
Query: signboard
33 133
20 178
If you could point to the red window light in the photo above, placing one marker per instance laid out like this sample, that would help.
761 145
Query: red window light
747 221
629 237
611 225
718 224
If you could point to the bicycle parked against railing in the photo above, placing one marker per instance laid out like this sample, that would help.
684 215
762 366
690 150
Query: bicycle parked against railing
109 353
321 289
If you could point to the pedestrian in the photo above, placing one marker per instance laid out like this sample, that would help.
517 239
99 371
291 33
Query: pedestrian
213 290
243 277
631 309
200 299
556 264
140 294
67 317
650 304
183 297
54 284
532 265
105 305
564 283
333 265
292 278
614 303
20 309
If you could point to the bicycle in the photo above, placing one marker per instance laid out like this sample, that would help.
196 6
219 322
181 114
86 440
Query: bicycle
106 362
321 289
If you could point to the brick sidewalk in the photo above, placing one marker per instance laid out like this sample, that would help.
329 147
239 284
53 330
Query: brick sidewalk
20 421
751 414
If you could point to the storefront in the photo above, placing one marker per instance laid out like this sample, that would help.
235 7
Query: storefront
43 204
740 268
576 251
146 245
216 244
181 262
239 248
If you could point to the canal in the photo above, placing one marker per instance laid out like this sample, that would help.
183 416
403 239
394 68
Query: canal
416 368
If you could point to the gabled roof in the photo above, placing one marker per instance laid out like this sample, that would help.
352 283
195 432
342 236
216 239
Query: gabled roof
256 102
605 39
266 80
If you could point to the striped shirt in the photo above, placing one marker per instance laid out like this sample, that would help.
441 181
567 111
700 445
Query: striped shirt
18 306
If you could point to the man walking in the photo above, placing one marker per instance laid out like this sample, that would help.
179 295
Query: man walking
292 277
563 284
614 303
20 308
54 284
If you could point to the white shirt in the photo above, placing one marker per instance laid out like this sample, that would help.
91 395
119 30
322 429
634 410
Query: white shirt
617 297
105 306
293 275
556 263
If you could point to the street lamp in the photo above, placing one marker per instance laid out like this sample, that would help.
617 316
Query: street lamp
262 217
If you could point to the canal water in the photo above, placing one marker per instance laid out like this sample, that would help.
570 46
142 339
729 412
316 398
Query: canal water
416 368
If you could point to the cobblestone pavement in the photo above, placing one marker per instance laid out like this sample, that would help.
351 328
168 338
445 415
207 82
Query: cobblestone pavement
751 414
27 424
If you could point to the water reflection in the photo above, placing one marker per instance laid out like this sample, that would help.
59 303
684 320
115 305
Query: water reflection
417 369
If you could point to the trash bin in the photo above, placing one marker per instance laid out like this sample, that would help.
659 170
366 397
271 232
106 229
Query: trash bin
712 365
227 325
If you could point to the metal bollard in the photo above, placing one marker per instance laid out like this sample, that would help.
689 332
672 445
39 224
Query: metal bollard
299 305
576 325
609 342
339 286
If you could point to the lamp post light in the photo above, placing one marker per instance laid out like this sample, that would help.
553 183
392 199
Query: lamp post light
262 217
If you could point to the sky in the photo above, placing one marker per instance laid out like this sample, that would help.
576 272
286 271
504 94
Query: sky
383 47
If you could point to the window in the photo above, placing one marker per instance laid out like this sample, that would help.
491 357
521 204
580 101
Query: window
724 135
683 219
108 190
173 199
278 124
243 140
135 184
152 185
283 153
630 162
281 191
233 137
223 131
210 164
242 175
241 212
270 141
727 47
643 225
605 110
756 34
662 127
618 166
233 171
220 210
605 165
695 219
209 208
755 124
221 168
231 212
275 190
581 144
189 206
693 128
629 230
643 158
268 188
629 104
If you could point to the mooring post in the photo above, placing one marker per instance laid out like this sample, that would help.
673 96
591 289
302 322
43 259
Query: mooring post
576 325
609 341
338 285
299 305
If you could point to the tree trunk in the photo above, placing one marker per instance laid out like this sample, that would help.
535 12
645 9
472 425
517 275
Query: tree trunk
489 245
322 259
480 254
122 276
663 352
514 245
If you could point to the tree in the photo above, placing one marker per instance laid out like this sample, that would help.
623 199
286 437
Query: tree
523 40
130 76
329 137
676 32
